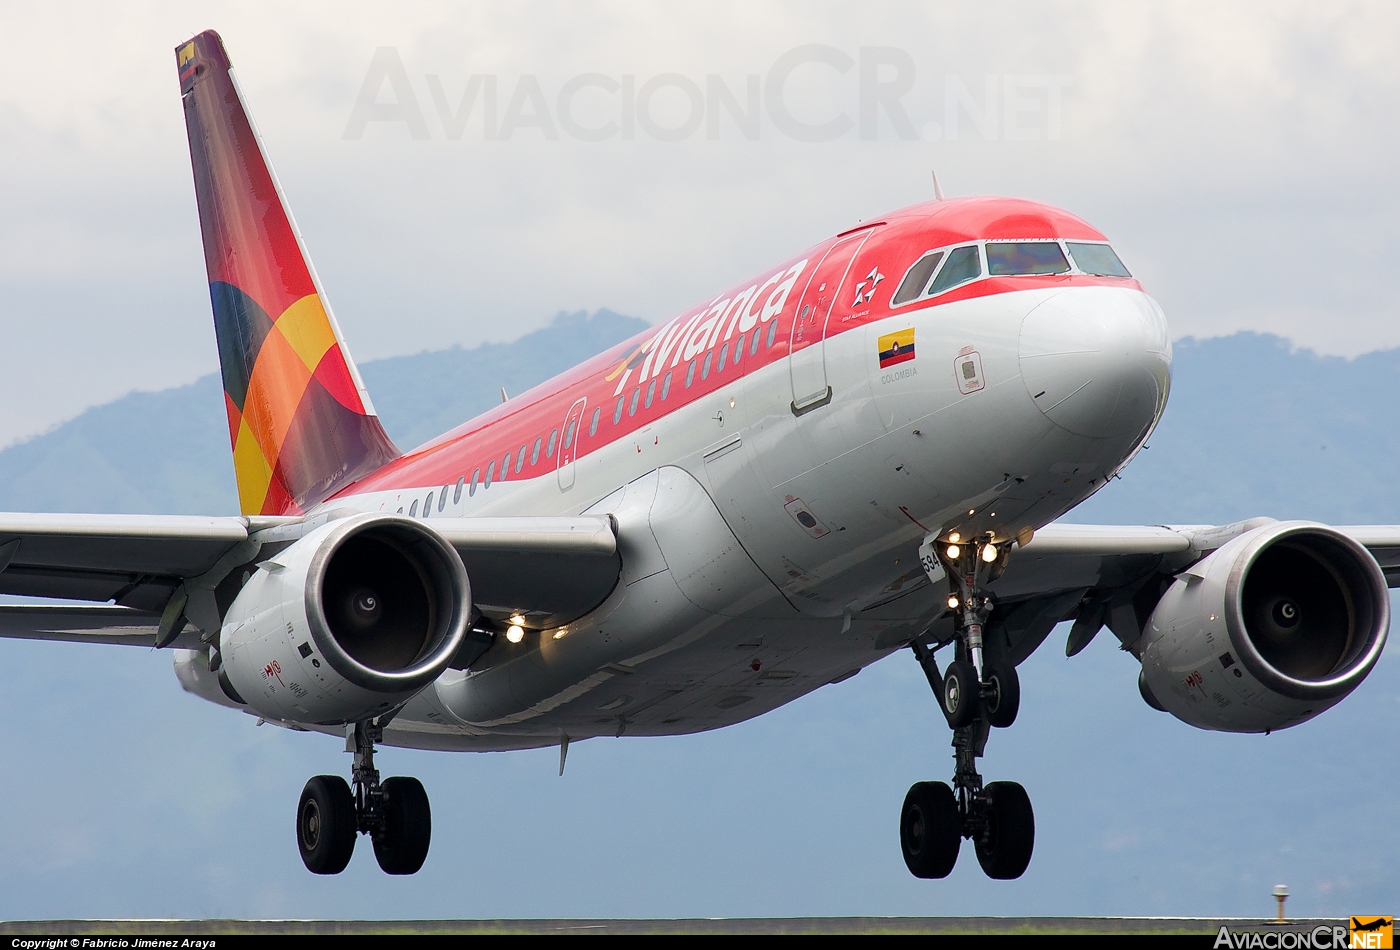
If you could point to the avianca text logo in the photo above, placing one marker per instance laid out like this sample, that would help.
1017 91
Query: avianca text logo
681 339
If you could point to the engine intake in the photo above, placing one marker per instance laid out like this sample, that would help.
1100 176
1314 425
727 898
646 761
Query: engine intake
1276 626
350 620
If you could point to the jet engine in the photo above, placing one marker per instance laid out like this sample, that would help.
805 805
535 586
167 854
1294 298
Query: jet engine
346 623
1271 629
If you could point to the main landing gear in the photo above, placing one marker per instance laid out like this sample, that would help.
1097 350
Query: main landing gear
976 694
394 814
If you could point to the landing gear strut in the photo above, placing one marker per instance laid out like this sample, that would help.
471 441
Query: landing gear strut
394 813
975 694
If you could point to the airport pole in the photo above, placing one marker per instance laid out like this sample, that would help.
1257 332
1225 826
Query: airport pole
1280 895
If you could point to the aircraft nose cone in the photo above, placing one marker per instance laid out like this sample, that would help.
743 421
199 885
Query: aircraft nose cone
1097 360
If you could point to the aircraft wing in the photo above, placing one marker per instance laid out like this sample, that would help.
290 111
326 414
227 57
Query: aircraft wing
1100 546
1095 574
131 567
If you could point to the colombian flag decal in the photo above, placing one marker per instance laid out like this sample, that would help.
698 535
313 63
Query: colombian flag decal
897 347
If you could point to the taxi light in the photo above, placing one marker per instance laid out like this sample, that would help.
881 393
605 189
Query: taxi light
989 553
954 538
516 633
953 600
953 552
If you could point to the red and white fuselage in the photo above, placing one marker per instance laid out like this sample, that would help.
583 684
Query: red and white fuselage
775 455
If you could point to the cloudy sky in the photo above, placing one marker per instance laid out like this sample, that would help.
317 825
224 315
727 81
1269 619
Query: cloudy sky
1241 157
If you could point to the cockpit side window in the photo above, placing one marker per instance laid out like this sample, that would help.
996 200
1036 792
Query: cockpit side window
1025 257
963 264
1097 259
917 279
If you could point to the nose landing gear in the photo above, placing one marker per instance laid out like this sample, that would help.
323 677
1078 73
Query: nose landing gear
394 813
975 694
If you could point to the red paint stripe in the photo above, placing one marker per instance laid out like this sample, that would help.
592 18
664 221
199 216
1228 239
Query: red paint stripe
893 249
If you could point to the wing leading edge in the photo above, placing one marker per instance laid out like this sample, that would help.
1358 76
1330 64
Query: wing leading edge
136 568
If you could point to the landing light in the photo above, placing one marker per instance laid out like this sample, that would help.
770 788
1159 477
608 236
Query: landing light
561 633
954 538
516 633
953 552
989 553
518 619
953 600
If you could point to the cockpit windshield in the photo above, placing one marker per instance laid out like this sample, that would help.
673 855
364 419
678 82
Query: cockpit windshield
1025 257
1097 259
964 264
917 279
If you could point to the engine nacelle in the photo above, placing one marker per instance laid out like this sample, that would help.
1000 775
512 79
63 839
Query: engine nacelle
1276 626
349 621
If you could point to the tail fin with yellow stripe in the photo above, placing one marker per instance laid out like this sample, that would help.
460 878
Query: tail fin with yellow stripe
301 423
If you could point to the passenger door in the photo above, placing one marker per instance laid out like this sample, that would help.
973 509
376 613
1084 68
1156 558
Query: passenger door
807 349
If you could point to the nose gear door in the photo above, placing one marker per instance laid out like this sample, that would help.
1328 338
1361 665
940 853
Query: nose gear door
807 350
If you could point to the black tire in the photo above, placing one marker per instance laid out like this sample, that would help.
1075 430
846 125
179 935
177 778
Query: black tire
1004 700
960 693
326 825
930 830
1004 849
408 826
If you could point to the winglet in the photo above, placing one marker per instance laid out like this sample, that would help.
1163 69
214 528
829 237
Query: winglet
300 421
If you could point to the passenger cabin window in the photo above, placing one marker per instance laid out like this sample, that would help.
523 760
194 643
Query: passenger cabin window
442 496
457 495
1096 259
549 449
666 387
632 406
963 264
476 477
490 475
520 459
428 505
569 433
651 394
690 374
413 509
772 334
617 410
505 466
535 452
593 423
916 280
1025 257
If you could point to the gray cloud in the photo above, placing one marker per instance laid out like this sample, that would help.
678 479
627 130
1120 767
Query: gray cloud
1241 157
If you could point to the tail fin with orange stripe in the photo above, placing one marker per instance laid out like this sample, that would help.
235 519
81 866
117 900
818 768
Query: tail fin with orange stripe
301 423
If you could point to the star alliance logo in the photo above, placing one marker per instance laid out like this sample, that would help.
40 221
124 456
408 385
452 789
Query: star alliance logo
872 280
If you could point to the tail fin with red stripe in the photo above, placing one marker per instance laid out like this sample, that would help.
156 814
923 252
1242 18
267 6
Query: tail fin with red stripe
301 423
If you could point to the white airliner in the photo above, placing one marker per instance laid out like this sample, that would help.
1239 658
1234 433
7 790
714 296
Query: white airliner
860 450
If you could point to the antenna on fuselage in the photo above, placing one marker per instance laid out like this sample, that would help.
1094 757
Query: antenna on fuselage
937 188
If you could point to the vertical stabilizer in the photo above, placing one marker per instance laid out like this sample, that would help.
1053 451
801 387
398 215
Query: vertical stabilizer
301 423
